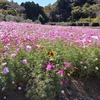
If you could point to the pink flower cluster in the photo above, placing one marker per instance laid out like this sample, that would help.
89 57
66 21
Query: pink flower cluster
19 35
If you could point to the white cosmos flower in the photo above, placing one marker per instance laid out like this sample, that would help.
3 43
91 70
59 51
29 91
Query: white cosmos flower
95 37
62 91
4 97
96 68
19 88
3 88
13 82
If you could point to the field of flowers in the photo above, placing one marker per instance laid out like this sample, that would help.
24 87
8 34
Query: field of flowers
37 61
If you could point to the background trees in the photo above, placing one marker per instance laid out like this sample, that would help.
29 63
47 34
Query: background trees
60 11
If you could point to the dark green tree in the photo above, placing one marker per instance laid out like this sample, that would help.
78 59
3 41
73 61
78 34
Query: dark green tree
33 10
61 10
76 13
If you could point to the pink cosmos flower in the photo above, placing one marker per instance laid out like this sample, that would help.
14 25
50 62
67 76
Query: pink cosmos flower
75 68
5 70
81 62
24 61
61 72
6 48
67 64
28 48
12 55
85 67
63 82
49 67
6 40
17 50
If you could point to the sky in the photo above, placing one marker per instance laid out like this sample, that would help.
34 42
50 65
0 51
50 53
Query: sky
40 2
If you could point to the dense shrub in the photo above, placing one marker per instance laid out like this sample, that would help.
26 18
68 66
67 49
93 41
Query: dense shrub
10 18
27 21
10 12
1 17
37 21
19 18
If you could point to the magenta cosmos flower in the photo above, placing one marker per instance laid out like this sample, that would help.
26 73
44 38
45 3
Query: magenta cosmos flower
63 82
61 72
0 51
67 64
5 70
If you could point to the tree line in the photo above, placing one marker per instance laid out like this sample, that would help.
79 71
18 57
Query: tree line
60 11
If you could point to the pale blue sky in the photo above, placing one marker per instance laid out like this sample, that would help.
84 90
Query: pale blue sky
40 2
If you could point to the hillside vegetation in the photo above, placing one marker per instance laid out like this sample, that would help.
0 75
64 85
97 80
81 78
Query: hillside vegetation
61 11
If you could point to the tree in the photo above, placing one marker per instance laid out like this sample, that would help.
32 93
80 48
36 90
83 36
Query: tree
76 13
4 3
60 10
33 10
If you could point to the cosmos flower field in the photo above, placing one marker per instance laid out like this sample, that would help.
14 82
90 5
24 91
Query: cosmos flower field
37 61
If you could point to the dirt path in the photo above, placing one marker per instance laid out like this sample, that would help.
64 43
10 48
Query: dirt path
81 89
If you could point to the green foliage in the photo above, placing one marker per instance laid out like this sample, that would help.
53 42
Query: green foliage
66 10
86 11
90 20
34 81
